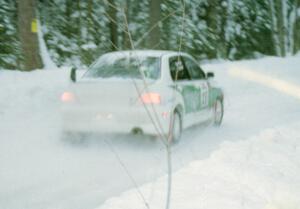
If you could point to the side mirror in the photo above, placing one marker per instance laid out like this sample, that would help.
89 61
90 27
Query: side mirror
73 74
210 75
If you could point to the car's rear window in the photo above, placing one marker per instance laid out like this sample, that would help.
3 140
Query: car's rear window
109 66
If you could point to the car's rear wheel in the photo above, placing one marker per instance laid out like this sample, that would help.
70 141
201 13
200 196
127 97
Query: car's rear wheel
175 128
218 112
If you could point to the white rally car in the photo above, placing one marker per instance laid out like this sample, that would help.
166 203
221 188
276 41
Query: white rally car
152 92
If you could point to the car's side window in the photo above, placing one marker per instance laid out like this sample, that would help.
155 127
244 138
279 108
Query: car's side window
177 69
194 69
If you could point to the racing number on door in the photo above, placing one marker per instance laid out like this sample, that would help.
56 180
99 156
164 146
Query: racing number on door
204 94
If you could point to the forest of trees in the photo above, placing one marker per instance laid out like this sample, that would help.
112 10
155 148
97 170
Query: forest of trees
78 31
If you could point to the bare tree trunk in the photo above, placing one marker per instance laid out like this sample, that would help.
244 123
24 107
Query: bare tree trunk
292 18
167 33
228 32
285 26
79 31
274 27
297 29
126 38
155 16
112 12
27 26
90 15
212 23
223 44
281 27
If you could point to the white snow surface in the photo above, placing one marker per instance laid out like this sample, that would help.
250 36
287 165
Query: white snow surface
45 56
251 161
260 172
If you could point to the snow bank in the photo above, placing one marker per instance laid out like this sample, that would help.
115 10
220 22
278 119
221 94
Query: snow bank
29 124
261 172
279 68
47 61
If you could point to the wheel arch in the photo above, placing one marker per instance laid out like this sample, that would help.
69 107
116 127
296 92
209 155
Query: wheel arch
216 93
179 108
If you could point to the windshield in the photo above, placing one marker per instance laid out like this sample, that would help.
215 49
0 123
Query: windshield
112 66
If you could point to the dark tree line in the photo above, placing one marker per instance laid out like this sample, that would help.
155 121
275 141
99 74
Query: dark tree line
78 31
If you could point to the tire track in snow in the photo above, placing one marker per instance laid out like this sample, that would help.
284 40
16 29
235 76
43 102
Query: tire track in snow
265 80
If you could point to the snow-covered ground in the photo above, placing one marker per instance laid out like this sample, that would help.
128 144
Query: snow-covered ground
261 172
251 161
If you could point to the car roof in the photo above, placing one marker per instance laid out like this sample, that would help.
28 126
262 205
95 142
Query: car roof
150 53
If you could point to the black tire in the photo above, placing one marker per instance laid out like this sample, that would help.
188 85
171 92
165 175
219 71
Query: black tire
175 128
218 112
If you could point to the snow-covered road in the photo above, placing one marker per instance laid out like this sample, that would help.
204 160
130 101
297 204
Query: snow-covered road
38 170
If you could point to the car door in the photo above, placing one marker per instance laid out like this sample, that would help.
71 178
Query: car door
184 85
198 79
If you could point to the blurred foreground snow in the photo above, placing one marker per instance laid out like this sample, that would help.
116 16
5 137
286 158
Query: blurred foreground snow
261 172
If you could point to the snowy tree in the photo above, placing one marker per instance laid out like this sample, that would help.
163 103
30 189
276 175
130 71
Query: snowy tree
284 25
9 44
77 32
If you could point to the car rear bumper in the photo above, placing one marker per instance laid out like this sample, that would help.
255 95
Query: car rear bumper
87 120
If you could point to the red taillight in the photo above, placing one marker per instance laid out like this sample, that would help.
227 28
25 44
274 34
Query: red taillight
67 97
165 114
150 98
